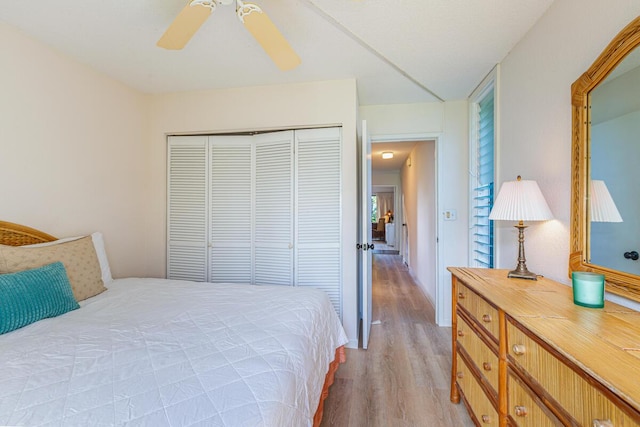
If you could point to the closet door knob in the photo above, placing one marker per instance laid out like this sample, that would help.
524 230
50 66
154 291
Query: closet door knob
461 333
486 318
486 419
486 366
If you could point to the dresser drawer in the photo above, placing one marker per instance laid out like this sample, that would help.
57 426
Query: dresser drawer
481 310
479 403
525 409
582 401
482 356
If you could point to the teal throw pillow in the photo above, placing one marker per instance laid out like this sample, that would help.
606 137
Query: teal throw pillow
32 295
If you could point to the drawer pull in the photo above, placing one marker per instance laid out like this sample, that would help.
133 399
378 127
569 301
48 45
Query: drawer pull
460 333
518 349
486 419
486 318
460 374
460 295
486 366
602 423
521 411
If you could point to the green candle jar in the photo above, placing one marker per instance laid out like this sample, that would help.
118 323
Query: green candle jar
588 289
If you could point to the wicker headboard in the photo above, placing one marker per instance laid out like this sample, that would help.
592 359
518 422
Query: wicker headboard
18 235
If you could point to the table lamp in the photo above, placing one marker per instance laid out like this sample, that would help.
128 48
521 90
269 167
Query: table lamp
520 201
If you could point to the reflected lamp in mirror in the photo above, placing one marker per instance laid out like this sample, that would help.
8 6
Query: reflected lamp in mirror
520 201
603 208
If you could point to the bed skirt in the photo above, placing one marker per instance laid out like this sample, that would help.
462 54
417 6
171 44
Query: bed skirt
341 357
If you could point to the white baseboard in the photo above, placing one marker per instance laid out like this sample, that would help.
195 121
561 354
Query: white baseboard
422 289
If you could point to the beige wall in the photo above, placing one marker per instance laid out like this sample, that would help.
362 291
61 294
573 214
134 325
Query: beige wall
403 119
72 150
256 108
535 117
385 177
453 193
419 183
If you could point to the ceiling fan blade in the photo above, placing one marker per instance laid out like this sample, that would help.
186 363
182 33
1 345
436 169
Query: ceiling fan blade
271 39
184 27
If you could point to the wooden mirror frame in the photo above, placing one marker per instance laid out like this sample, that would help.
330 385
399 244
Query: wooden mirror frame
617 282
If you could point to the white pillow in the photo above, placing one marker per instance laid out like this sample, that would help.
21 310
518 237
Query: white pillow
98 244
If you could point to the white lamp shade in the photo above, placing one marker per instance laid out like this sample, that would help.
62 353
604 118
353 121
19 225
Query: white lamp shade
520 201
603 209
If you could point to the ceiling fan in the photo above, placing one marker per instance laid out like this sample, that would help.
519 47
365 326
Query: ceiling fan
251 15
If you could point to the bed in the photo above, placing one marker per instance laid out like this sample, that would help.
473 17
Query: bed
163 352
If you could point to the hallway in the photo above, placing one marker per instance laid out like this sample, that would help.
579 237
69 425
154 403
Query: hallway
403 378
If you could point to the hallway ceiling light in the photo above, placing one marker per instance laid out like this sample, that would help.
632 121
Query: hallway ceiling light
387 155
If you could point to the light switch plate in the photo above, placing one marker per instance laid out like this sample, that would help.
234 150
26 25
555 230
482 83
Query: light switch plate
450 215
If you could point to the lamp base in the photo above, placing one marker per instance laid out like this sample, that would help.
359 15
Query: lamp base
526 274
521 271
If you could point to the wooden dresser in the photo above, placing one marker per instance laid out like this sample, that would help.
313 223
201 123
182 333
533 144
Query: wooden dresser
525 355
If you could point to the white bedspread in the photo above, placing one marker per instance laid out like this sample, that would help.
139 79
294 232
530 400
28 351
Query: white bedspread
171 353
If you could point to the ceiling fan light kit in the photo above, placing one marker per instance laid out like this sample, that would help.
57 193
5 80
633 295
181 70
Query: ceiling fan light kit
211 4
193 15
244 9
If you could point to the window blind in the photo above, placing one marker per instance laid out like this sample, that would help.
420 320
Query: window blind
483 193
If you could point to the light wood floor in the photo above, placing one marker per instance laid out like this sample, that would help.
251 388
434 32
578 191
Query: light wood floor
403 378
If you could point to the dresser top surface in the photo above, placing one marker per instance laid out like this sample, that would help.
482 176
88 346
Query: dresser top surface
603 342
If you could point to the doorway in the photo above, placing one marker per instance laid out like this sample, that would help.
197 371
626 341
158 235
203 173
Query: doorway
385 226
411 177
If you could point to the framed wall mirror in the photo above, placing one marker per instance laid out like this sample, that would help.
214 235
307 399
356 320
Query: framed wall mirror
605 199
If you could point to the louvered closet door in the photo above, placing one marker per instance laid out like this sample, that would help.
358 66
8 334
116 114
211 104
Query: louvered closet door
273 236
186 210
318 212
231 217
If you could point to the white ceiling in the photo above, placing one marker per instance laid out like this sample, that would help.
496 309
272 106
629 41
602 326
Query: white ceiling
446 46
400 150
